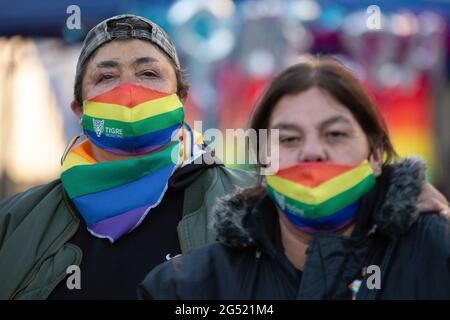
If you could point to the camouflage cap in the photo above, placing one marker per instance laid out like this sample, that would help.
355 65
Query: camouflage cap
139 28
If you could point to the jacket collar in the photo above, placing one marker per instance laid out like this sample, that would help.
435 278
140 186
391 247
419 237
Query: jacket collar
392 206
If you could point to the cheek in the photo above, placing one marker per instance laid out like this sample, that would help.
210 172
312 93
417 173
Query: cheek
170 84
167 82
163 86
352 152
279 157
287 157
91 90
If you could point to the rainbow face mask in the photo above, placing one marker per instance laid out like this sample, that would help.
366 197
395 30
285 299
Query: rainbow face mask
131 119
319 196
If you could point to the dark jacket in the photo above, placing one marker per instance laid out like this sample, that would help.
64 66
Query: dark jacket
36 226
412 253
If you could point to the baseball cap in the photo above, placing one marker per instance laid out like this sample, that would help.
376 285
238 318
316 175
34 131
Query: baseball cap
123 27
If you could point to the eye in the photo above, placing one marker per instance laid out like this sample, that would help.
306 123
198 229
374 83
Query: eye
289 140
336 134
105 77
149 74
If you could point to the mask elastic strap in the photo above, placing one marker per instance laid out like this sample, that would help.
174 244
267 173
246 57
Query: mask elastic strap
69 147
190 143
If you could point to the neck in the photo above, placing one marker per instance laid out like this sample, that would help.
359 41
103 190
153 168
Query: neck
295 242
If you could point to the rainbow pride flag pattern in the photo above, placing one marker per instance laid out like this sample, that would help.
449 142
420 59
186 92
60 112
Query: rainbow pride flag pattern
131 119
114 197
320 197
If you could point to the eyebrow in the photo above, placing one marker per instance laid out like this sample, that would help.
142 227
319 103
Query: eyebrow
114 64
108 64
333 120
143 60
323 124
286 126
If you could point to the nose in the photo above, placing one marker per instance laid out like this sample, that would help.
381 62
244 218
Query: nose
312 151
128 76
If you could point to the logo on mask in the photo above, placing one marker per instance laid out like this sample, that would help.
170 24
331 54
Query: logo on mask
113 132
99 126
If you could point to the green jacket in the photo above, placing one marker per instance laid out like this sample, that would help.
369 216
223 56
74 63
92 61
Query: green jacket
36 225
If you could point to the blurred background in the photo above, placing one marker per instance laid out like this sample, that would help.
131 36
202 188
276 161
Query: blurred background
231 50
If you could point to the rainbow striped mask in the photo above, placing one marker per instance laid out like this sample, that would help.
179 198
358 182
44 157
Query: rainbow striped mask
320 196
131 119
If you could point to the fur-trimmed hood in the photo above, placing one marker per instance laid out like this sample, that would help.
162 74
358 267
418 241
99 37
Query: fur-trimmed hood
393 217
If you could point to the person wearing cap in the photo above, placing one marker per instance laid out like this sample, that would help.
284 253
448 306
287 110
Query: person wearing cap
130 194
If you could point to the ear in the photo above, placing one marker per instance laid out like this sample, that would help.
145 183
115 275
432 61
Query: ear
184 99
76 108
376 161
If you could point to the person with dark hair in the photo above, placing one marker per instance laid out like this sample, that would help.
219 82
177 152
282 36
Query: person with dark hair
130 195
338 219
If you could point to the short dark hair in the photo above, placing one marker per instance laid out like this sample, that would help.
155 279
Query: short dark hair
330 75
117 25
